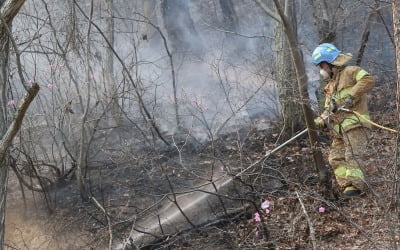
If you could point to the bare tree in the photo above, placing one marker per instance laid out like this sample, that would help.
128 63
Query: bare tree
396 31
293 121
109 33
301 76
109 60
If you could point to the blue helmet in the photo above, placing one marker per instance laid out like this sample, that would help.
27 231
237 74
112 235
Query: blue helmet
325 52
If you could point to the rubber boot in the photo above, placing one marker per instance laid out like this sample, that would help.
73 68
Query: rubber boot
351 191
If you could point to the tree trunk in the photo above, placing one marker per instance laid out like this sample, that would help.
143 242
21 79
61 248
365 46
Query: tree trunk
180 26
365 35
109 61
321 168
149 12
396 36
325 26
293 121
230 18
4 56
3 197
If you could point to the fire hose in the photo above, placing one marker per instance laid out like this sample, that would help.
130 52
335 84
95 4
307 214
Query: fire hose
268 153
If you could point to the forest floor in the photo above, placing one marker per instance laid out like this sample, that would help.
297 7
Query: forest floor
300 215
369 222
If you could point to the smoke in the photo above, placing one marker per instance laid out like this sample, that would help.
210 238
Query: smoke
225 87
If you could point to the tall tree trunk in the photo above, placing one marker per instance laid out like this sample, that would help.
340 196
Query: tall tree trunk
396 36
109 33
365 35
83 144
3 197
149 12
293 121
4 56
321 168
180 26
230 18
325 27
111 87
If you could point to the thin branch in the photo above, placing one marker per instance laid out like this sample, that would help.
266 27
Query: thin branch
235 112
268 11
108 220
175 199
310 225
237 33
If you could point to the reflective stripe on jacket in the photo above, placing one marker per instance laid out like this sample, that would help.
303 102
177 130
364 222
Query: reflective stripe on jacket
343 171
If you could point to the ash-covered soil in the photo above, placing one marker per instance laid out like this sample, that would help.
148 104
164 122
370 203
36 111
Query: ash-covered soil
127 188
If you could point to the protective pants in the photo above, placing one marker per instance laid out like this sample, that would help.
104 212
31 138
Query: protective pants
347 155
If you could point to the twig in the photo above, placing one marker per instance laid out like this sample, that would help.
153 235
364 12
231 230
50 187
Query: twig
175 200
237 33
310 225
108 220
179 149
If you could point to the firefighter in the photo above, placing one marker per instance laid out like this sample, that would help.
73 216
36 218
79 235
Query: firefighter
346 89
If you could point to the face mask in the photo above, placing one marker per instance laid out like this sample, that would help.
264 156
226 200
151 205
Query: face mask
324 74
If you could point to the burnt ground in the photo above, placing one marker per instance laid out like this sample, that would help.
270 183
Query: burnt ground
369 222
127 186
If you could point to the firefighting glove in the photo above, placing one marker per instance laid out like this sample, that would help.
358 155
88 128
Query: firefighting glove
333 107
319 122
348 102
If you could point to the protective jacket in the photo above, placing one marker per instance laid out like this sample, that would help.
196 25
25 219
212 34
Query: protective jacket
347 80
347 154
